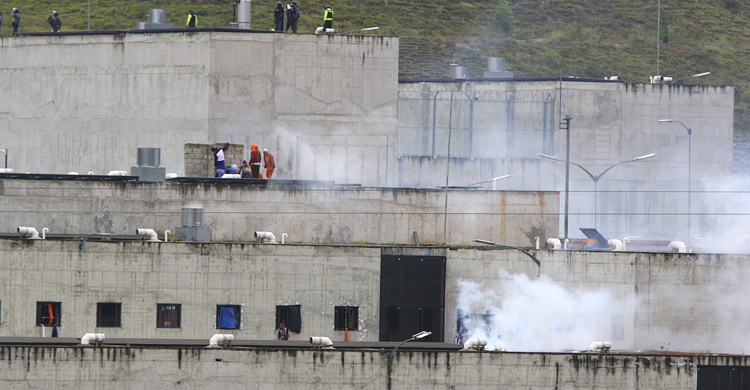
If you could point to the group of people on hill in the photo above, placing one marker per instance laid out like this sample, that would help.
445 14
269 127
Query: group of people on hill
246 170
292 15
54 21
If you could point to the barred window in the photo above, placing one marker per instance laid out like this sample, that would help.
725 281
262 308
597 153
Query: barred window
48 313
168 315
346 317
108 314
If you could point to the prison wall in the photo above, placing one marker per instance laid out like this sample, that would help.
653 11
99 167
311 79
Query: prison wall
315 213
318 103
499 127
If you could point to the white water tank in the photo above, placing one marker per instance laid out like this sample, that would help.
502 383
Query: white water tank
460 72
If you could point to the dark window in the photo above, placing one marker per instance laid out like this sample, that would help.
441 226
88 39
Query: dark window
108 314
412 297
288 316
228 317
346 318
723 378
48 313
168 315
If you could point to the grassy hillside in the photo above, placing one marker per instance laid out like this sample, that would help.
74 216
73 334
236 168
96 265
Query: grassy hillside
587 38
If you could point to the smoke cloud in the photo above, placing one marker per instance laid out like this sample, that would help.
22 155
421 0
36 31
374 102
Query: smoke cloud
536 315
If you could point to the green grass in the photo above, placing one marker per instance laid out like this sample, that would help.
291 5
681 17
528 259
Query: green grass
587 38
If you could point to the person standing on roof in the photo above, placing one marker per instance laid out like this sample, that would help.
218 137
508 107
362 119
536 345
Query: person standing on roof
269 163
192 19
292 17
16 21
278 17
219 155
55 21
254 160
328 18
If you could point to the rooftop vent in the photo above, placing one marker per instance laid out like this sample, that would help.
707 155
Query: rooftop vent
157 19
148 165
192 216
244 8
193 225
496 66
460 72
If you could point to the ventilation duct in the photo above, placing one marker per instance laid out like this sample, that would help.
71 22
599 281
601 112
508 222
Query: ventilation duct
496 69
148 168
460 72
157 20
244 8
193 225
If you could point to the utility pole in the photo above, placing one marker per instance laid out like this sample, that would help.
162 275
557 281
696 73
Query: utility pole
566 126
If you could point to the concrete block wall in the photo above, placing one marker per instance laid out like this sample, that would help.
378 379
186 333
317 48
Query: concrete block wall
312 214
199 159
257 369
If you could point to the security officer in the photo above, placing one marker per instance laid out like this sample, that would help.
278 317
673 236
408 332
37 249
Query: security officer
55 21
192 19
16 20
328 17
278 17
292 17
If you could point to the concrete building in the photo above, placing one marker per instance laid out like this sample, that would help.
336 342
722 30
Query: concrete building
638 301
300 96
309 212
500 127
270 367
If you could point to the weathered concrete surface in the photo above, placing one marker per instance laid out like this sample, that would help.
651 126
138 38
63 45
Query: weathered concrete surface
310 214
681 302
301 96
499 127
147 368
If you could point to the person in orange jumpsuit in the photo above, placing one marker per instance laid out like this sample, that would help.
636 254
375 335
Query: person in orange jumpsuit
254 160
269 163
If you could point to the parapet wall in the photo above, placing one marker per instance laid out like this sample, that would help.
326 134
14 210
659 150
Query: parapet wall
212 369
312 214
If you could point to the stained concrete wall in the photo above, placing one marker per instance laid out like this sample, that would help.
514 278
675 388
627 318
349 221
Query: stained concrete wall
309 214
301 96
499 127
139 368
682 302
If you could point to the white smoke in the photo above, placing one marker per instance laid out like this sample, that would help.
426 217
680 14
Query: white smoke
536 315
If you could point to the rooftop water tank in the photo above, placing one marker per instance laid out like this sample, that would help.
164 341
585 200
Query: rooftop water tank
460 72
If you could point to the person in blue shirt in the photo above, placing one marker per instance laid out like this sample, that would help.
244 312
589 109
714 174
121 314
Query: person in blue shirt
232 169
219 171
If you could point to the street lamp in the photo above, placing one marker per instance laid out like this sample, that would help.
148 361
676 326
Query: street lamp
364 29
493 180
689 132
596 178
417 336
690 77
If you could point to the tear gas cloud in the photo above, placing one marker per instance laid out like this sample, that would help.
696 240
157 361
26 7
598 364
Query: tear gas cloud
707 314
538 315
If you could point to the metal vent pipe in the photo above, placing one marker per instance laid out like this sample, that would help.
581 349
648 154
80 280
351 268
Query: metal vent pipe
460 72
156 15
149 157
192 216
496 64
244 8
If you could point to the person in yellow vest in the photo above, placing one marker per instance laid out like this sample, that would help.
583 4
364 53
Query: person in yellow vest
328 17
192 20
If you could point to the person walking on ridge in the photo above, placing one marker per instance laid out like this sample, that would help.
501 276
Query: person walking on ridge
55 21
219 155
278 17
192 20
16 21
292 17
327 18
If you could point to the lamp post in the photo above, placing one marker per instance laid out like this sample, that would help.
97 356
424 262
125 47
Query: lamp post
364 29
448 160
689 132
690 77
596 178
417 336
493 180
83 240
